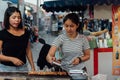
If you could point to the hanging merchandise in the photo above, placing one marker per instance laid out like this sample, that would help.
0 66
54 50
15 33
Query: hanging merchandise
116 40
98 32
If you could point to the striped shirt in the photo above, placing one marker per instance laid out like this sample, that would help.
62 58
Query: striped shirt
71 49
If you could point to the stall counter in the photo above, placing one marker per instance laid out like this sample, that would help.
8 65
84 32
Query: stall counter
33 76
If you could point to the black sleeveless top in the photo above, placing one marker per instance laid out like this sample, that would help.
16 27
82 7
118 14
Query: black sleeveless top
14 46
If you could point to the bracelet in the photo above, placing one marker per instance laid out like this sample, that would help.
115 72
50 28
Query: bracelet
80 60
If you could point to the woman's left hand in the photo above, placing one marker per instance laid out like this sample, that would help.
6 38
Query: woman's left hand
75 61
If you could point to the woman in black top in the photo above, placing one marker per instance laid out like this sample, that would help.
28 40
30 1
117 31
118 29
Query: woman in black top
14 43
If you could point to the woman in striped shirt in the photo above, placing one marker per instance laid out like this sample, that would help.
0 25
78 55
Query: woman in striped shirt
74 47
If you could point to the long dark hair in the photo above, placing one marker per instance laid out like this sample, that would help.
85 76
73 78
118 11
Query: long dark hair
75 19
9 11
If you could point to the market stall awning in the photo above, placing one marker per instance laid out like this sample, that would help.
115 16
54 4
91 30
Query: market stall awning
74 5
62 5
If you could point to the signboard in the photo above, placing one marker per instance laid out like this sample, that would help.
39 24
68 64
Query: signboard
116 40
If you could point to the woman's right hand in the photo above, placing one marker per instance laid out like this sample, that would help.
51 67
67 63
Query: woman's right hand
53 59
50 59
16 61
